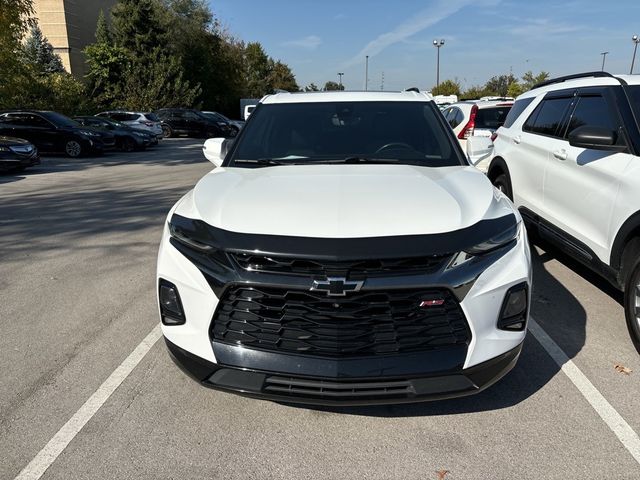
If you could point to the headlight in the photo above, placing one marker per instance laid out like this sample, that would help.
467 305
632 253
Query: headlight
501 239
89 134
192 239
5 149
138 134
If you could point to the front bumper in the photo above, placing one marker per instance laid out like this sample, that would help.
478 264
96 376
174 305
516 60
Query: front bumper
340 391
9 161
442 373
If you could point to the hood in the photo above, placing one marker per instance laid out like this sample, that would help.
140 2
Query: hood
13 141
343 201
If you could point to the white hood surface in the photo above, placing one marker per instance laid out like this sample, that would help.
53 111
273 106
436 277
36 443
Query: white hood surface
343 201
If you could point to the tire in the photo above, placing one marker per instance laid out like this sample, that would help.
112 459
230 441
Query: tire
167 131
632 300
503 183
73 148
128 144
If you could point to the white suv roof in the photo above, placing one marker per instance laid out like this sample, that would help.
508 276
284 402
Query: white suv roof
341 96
583 82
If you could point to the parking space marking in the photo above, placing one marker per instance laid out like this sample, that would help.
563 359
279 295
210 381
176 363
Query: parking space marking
45 458
627 436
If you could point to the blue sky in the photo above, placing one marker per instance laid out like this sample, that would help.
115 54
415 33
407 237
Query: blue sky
483 38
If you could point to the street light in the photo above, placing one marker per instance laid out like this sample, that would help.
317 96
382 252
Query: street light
635 39
438 44
340 74
604 56
366 73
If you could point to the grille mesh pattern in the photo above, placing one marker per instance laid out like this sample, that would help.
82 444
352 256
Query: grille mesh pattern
362 323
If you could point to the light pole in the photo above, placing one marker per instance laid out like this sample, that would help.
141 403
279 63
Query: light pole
438 44
604 57
340 74
635 39
366 73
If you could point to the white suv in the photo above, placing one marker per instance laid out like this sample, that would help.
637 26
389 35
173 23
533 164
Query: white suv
477 118
569 157
344 251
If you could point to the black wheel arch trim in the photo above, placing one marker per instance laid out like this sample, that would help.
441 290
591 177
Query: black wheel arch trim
629 230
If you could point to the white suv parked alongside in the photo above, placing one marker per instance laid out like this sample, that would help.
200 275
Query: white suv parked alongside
477 118
569 157
344 252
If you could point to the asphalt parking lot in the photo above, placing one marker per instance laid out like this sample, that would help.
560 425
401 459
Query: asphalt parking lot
78 244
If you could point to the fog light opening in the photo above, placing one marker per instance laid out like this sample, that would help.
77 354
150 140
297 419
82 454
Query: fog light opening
171 311
513 314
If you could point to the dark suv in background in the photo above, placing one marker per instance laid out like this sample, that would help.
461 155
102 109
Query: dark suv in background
193 123
53 132
127 139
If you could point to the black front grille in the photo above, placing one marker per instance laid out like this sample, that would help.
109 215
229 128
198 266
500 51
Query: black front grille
359 324
276 264
338 390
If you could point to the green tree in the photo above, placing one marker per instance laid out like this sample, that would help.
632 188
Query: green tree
529 79
474 92
256 70
281 77
157 83
499 85
330 86
312 87
515 89
103 32
447 87
39 53
16 18
138 26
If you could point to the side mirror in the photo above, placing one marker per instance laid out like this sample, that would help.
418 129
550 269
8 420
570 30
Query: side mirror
595 138
215 149
478 148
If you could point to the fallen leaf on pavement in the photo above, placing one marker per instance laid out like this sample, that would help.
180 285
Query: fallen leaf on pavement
442 474
621 369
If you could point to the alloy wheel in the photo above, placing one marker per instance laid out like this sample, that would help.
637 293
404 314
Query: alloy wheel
73 148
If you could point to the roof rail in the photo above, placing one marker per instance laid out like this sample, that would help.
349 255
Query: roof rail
597 74
412 89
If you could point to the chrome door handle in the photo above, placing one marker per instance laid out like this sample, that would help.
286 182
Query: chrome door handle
516 139
560 154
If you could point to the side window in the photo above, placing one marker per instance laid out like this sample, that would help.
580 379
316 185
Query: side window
547 117
120 117
518 107
592 111
459 117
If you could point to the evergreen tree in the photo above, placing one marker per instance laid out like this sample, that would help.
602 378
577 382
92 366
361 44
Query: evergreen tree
139 27
103 32
281 77
331 86
39 53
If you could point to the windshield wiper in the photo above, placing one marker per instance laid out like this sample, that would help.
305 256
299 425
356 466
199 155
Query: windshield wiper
267 162
368 160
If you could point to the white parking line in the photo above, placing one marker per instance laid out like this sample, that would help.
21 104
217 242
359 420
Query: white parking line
603 408
43 460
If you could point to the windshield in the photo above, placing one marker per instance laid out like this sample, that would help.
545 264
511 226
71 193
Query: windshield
492 118
60 120
406 132
152 117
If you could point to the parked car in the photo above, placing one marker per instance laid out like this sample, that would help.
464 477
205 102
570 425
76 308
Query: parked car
476 118
127 139
17 154
238 124
53 132
346 253
192 123
142 120
569 157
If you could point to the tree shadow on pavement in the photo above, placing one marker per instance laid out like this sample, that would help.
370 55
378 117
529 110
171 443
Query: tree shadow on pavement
556 310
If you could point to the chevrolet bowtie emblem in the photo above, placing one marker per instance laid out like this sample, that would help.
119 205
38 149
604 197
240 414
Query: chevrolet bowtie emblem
336 286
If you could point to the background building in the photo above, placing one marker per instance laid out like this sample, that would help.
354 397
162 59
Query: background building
70 25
